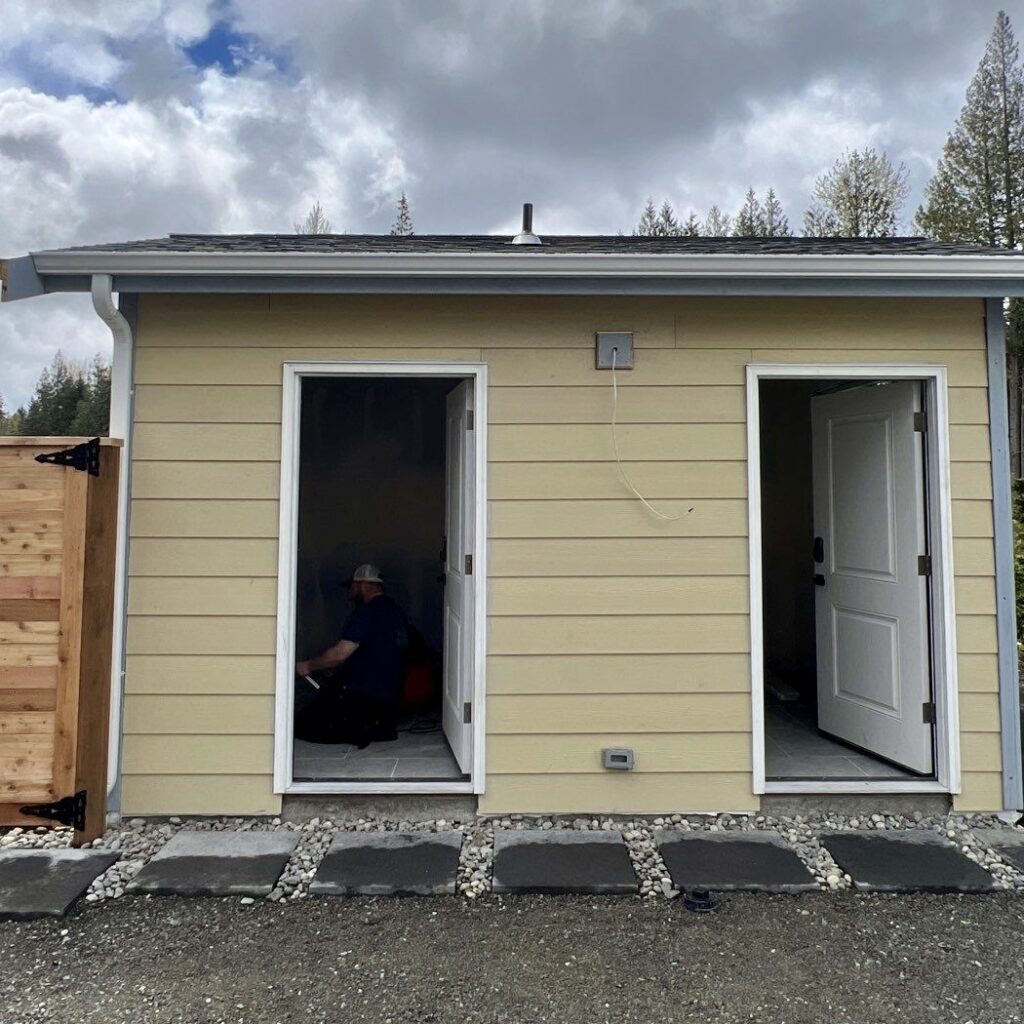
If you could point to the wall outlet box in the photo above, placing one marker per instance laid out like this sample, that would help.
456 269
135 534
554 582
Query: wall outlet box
618 759
622 344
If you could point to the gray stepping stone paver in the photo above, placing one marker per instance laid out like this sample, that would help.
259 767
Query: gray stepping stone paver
193 863
733 861
562 861
914 860
1009 845
44 883
389 864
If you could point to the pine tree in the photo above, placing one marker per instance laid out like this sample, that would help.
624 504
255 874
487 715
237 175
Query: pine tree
691 227
977 192
4 419
92 417
403 218
861 196
776 224
648 224
316 222
717 223
750 221
61 387
668 226
67 402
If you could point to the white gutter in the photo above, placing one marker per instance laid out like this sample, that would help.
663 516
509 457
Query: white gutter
533 264
121 389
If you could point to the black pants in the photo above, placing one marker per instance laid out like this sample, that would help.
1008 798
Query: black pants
335 716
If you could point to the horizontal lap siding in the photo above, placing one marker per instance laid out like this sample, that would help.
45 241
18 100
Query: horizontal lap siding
608 627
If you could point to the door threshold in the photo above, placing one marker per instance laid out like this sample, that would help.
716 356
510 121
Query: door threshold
378 788
857 786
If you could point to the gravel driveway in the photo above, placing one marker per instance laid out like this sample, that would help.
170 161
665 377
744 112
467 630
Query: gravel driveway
842 958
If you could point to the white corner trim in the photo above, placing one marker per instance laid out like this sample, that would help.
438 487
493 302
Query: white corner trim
293 373
121 389
947 748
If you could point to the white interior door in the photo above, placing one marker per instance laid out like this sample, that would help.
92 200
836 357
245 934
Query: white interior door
871 602
458 587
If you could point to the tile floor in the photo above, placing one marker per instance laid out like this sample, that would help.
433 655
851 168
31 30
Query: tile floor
414 756
794 749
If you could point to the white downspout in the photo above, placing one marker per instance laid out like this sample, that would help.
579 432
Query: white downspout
121 393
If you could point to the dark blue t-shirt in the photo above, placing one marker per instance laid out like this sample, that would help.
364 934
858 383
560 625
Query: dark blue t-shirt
380 629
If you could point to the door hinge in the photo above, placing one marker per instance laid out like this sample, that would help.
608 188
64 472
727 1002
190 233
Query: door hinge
469 565
920 422
84 456
924 565
469 419
69 810
928 712
467 713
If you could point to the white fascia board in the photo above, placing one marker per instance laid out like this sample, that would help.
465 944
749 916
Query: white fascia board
533 265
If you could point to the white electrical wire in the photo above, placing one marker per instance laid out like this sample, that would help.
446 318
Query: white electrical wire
618 461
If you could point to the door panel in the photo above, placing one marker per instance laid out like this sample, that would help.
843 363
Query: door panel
874 670
458 593
56 621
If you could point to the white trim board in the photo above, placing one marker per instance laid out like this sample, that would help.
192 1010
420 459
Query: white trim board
293 373
539 262
939 498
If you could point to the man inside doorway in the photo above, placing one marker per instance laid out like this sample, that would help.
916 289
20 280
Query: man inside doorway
358 705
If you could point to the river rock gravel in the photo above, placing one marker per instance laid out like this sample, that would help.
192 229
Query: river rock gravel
138 839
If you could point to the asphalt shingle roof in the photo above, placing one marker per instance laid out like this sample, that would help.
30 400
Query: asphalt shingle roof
552 244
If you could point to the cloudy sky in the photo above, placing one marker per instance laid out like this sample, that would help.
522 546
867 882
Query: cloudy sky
133 118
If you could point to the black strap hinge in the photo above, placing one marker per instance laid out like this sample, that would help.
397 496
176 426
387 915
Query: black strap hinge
69 810
84 456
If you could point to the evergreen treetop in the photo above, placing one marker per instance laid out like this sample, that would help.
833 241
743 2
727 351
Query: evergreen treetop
977 192
717 223
403 218
776 223
69 401
648 223
315 223
750 221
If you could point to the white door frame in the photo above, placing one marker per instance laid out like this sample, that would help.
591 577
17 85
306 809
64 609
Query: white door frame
943 616
294 372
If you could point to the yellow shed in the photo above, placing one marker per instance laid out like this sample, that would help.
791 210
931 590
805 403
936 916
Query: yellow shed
660 525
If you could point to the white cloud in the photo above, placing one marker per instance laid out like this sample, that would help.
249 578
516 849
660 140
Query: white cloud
584 109
31 334
248 152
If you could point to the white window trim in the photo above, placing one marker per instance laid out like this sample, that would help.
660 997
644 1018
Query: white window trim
294 372
947 746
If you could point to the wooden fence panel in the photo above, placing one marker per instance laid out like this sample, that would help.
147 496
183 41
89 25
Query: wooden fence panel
58 529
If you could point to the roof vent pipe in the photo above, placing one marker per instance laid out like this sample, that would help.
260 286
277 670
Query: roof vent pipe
526 236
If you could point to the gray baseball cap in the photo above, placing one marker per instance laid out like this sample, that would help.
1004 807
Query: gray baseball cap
366 574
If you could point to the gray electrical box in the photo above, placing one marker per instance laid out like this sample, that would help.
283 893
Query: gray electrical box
618 759
619 341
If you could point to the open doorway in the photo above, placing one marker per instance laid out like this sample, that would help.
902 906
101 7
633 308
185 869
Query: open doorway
382 478
847 591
